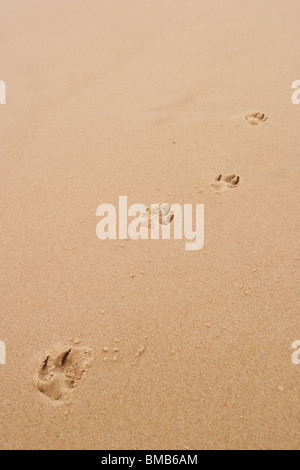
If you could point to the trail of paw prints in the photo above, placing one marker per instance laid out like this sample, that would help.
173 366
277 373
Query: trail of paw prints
62 372
255 118
222 183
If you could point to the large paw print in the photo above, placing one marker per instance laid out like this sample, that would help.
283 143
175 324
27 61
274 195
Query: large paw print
63 372
256 118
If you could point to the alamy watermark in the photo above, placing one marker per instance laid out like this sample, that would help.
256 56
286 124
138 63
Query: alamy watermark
296 353
2 353
2 92
156 222
296 94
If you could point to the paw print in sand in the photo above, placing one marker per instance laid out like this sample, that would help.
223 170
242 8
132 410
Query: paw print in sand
165 214
161 214
222 183
256 118
63 371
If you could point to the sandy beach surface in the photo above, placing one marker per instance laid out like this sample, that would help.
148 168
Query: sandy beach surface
141 344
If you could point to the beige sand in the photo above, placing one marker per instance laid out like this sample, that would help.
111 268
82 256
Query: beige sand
149 99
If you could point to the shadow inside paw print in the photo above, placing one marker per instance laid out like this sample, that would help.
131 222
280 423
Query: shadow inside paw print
222 183
62 372
256 118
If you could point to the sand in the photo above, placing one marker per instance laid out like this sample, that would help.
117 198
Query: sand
142 344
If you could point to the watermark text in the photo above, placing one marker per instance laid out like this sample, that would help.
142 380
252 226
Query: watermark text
155 223
2 92
296 94
296 353
2 353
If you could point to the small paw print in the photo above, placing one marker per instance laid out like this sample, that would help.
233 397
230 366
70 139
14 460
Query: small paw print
222 183
256 118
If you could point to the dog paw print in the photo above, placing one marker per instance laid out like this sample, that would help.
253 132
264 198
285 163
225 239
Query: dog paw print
160 214
256 118
62 372
166 217
222 183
